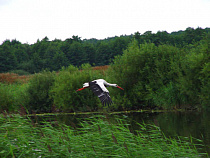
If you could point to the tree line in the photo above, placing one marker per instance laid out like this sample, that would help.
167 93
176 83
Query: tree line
53 55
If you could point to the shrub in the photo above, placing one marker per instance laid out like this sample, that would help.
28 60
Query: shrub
38 92
12 96
194 79
146 70
6 98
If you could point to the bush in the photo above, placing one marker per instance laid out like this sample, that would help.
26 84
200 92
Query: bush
194 79
6 98
38 92
12 96
163 76
146 69
205 81
167 96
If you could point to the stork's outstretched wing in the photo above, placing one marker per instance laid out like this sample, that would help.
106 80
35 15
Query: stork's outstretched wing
103 96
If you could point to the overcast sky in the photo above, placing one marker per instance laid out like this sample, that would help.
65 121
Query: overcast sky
29 20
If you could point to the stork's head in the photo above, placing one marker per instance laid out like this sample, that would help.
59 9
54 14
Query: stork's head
114 85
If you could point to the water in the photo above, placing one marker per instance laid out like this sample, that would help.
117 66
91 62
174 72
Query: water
185 124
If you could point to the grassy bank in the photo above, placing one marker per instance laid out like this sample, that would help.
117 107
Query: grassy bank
96 136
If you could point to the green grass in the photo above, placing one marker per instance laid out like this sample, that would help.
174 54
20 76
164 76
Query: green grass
96 136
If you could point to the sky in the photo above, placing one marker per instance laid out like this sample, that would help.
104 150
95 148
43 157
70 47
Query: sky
30 20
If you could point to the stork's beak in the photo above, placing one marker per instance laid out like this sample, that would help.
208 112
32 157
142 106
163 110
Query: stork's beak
81 89
120 87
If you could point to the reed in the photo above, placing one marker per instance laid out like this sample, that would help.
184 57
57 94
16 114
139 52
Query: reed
96 136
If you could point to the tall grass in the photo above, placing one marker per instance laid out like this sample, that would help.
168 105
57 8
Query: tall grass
98 136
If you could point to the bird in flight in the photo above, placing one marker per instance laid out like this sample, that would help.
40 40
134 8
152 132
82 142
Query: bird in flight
99 89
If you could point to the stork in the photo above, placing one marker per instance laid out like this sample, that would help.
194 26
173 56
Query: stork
99 89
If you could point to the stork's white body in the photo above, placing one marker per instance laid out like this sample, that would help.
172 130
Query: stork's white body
101 83
99 89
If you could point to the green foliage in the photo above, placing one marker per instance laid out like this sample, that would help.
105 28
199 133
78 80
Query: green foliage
164 76
152 74
20 72
6 98
97 137
205 73
194 81
103 53
8 60
12 96
167 96
38 92
205 81
67 82
193 77
146 69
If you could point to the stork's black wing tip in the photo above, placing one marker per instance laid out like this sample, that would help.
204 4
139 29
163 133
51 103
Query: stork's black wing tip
105 99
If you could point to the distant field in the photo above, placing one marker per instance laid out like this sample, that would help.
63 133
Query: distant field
13 77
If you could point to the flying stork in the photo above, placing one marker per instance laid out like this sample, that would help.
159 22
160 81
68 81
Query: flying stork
99 89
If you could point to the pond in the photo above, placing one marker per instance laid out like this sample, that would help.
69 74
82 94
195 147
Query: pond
186 124
191 123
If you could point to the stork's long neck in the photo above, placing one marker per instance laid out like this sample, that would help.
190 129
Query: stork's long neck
112 85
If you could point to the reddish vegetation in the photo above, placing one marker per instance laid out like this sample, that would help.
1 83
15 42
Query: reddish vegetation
12 78
103 68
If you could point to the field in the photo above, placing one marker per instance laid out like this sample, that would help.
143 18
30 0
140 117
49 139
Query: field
10 78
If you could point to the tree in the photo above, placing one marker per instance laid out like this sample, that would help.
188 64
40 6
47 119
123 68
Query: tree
90 53
76 54
8 60
37 62
59 60
118 45
103 53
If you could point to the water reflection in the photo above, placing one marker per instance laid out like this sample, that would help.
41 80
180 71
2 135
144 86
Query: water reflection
186 124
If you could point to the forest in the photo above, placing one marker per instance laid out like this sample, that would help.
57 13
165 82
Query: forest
53 55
